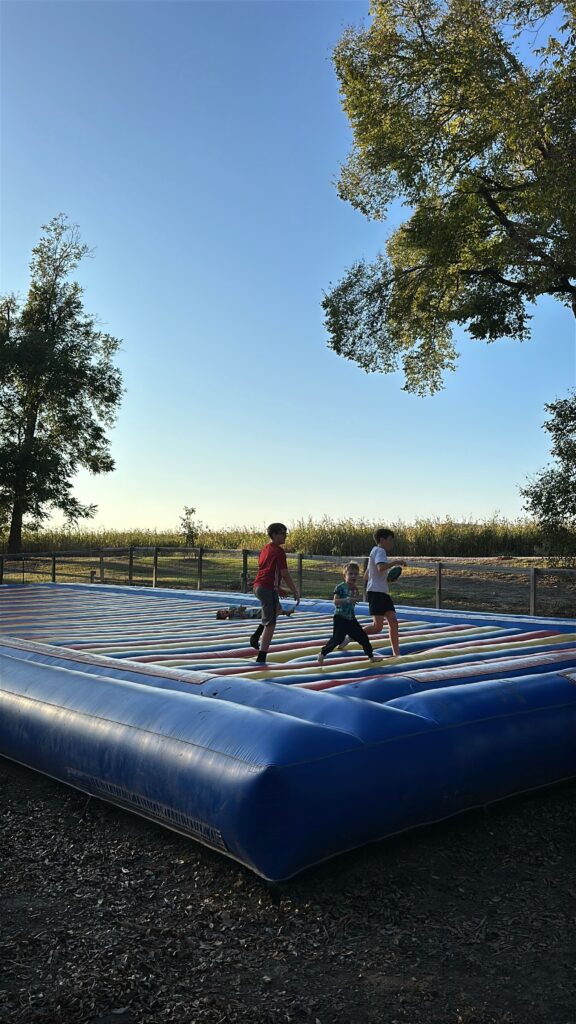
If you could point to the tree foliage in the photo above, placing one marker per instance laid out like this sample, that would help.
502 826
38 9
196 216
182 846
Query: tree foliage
466 111
59 389
551 495
190 527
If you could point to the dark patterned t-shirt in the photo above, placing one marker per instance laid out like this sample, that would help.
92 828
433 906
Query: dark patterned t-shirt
347 608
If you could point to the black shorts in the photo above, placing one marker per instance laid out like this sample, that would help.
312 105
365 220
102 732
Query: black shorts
379 603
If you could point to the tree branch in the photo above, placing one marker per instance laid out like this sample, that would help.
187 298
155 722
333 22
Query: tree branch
515 232
494 275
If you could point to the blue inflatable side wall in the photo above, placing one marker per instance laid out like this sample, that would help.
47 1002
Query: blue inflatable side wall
276 777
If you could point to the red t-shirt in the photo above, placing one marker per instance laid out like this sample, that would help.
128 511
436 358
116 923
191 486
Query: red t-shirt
271 561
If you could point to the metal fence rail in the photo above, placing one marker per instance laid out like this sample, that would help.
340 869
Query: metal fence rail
429 582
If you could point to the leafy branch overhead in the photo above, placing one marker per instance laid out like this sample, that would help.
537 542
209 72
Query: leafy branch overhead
466 111
59 388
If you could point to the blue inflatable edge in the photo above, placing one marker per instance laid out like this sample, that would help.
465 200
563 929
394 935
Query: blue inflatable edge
275 777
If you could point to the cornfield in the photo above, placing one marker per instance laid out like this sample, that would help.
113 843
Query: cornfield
424 537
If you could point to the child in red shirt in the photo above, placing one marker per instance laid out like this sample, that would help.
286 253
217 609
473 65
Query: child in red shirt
272 571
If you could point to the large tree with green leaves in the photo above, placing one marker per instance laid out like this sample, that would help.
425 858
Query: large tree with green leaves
466 111
59 389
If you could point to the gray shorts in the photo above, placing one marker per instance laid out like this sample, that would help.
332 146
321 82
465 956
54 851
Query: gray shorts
270 604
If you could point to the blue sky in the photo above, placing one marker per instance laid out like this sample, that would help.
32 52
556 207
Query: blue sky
197 146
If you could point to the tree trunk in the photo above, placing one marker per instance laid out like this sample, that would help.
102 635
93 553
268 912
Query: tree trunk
15 537
25 468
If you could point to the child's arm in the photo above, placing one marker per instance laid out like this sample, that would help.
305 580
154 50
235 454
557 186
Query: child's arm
350 598
290 583
384 566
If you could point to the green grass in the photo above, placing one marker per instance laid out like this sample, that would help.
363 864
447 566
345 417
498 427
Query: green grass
222 571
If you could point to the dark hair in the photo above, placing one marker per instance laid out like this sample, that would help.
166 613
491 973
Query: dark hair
382 535
276 528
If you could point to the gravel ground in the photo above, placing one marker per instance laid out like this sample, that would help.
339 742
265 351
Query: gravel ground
107 919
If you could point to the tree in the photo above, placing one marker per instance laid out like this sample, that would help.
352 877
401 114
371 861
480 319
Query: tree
551 496
59 389
190 526
481 145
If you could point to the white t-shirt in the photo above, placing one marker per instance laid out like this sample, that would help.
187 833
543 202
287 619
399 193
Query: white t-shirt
377 580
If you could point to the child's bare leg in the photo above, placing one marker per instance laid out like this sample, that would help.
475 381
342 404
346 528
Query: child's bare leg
393 627
376 626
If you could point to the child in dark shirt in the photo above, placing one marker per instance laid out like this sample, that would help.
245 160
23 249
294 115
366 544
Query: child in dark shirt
239 611
345 622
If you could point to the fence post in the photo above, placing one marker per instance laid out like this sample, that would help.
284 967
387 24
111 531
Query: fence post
365 564
53 568
438 584
199 569
300 573
101 567
155 568
130 565
244 570
533 577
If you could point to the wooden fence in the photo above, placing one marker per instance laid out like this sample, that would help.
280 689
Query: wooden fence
474 584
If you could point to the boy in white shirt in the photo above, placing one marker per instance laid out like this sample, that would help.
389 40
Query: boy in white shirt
380 603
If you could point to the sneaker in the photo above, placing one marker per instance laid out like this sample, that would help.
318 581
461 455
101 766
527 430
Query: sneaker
344 644
376 657
320 659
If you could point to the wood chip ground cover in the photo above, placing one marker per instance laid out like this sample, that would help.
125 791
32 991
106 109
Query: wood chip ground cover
107 919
